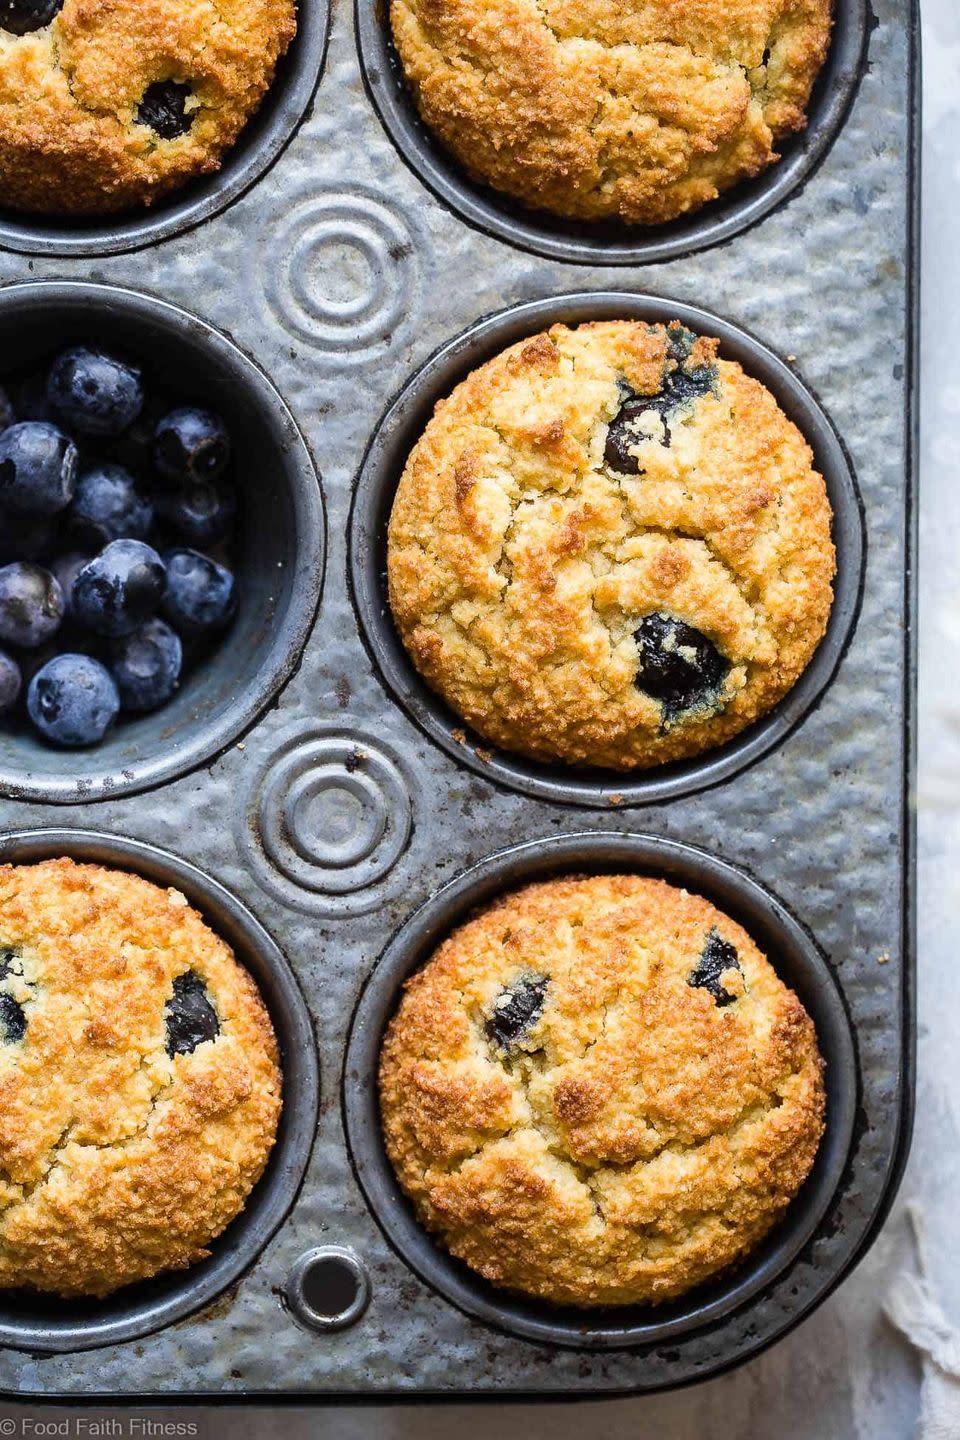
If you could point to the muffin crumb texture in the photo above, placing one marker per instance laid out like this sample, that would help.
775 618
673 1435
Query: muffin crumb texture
595 109
139 1084
108 104
598 1092
610 547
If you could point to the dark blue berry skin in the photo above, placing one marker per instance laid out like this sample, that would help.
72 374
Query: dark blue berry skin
38 469
191 445
202 513
6 405
19 17
190 1018
73 700
146 666
718 956
10 682
31 605
119 589
94 393
25 538
517 1010
108 506
164 108
66 568
679 666
201 595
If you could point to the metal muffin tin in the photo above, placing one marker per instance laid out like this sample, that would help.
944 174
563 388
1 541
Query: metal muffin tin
336 814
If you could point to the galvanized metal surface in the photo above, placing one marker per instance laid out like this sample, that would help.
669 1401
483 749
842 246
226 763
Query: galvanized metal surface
341 288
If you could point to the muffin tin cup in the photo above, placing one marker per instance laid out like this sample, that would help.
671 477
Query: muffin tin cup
799 962
51 1324
260 144
394 438
280 551
609 243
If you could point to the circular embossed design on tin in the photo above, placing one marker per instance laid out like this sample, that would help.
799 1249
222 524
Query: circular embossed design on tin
348 272
330 812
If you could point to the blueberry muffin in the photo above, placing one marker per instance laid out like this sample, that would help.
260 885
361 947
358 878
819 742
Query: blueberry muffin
139 1084
596 109
107 104
610 547
598 1092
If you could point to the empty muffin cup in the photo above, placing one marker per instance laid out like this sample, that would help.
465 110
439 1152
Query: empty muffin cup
784 1267
279 553
49 1324
395 436
606 243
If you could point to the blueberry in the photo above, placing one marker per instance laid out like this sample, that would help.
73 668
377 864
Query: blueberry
190 1017
38 468
6 405
517 1010
191 445
73 700
119 589
66 568
678 666
24 537
623 433
108 506
200 594
679 387
202 512
718 955
146 666
10 682
19 17
164 108
13 1021
95 393
31 604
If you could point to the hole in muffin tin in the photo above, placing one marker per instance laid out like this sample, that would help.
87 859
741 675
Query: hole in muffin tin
49 1324
394 437
278 556
797 959
328 1288
610 243
285 107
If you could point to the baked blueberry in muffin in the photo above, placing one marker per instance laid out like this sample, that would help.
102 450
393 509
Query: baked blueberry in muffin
598 1092
107 104
633 110
610 547
139 1074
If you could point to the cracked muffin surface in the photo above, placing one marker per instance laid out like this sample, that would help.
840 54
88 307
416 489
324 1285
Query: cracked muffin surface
610 547
139 1084
112 103
598 1092
596 109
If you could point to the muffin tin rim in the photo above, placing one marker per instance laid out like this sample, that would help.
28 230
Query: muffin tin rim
417 938
286 106
276 1192
392 438
502 218
283 654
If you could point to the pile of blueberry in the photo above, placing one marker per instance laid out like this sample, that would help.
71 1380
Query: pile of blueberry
114 517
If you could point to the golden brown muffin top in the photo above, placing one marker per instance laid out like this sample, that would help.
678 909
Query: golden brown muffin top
73 134
638 110
610 546
598 1091
139 1085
